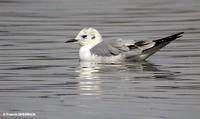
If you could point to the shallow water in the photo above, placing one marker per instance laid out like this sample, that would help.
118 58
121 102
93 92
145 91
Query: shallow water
39 73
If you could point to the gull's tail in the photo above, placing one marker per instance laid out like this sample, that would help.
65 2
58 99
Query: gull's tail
158 44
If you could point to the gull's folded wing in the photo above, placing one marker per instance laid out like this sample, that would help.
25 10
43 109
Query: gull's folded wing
109 48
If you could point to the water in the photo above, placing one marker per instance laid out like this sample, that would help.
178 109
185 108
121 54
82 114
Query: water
39 73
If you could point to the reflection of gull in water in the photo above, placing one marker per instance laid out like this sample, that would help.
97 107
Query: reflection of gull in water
89 80
91 74
94 77
88 70
94 48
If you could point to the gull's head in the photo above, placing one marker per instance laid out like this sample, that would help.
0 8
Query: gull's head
87 36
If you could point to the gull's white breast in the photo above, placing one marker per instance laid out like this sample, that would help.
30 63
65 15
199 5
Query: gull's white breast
85 53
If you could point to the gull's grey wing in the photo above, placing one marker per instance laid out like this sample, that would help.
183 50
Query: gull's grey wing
140 50
109 48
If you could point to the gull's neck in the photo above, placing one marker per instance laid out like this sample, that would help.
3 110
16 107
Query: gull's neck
85 53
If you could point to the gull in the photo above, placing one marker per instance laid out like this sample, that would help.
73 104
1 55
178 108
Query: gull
94 48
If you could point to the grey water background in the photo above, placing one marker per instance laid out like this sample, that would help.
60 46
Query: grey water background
39 73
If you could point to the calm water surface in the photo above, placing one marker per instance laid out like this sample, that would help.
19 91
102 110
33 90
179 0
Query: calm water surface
40 73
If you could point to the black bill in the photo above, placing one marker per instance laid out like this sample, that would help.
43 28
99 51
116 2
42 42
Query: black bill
71 40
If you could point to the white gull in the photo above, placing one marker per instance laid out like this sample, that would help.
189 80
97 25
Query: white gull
94 48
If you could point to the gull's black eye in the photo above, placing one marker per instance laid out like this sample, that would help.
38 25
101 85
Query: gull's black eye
84 36
93 37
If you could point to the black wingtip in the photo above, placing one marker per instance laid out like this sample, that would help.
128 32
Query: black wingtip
160 43
169 38
177 35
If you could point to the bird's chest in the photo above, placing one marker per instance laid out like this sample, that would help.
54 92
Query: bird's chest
85 53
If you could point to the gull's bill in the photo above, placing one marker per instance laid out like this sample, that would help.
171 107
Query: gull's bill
71 41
